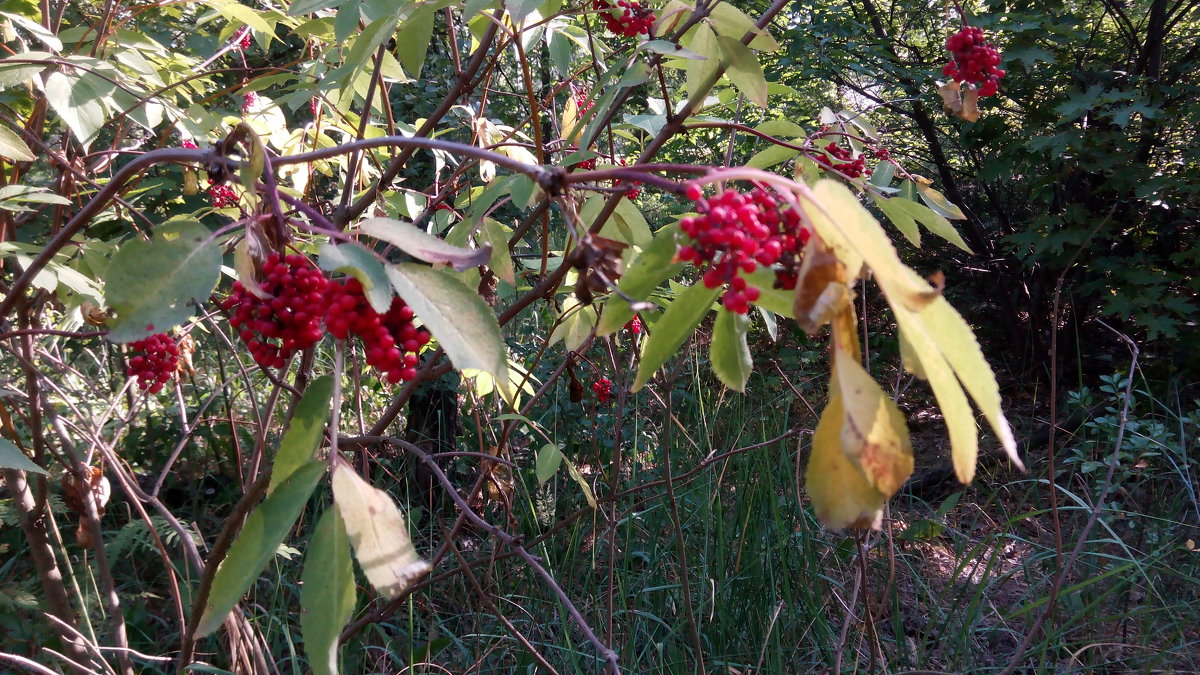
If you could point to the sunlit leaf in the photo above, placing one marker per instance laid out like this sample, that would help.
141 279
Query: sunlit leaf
378 532
652 267
423 246
13 148
549 459
841 495
11 457
745 72
352 259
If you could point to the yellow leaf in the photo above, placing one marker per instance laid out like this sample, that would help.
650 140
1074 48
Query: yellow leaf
957 343
570 119
378 533
874 436
840 494
857 238
821 289
924 357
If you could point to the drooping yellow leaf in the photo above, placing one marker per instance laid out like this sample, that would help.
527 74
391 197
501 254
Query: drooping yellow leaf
855 235
840 494
924 357
570 118
378 533
957 343
874 436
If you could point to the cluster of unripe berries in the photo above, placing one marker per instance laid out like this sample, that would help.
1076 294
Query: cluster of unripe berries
285 321
849 165
973 60
602 388
628 18
391 339
156 364
734 234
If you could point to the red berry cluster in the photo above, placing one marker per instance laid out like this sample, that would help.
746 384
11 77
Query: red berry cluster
735 233
602 388
973 60
157 363
249 100
588 164
635 185
851 167
222 196
241 39
882 154
634 325
188 144
391 340
288 319
630 20
582 103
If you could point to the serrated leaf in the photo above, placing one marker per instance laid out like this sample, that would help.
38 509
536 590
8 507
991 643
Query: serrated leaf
900 218
958 345
630 215
933 221
938 202
413 40
652 267
729 353
11 457
13 74
782 129
549 459
256 544
423 246
150 284
462 323
304 432
874 434
352 259
926 359
496 236
13 148
327 597
673 329
745 72
378 533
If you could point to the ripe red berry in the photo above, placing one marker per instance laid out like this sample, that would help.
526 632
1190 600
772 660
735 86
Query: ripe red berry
628 18
974 60
602 388
850 166
634 325
249 101
391 340
241 39
285 321
734 234
222 196
156 363
188 144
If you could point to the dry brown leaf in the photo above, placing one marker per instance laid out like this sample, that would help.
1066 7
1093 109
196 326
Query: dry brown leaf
959 102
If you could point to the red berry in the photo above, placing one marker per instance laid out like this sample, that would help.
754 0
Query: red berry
157 363
602 388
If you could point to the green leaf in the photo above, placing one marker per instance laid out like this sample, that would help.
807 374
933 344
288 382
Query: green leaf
938 202
422 246
462 323
900 218
744 71
495 235
549 459
413 40
770 156
357 261
11 457
304 432
257 543
776 300
673 329
732 22
378 532
328 595
627 213
13 148
782 129
575 324
671 49
519 9
299 7
35 29
13 74
648 270
933 221
729 353
77 105
151 284
701 73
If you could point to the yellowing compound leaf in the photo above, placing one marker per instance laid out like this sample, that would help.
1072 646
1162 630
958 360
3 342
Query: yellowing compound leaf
922 357
378 533
957 344
854 236
840 494
874 436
